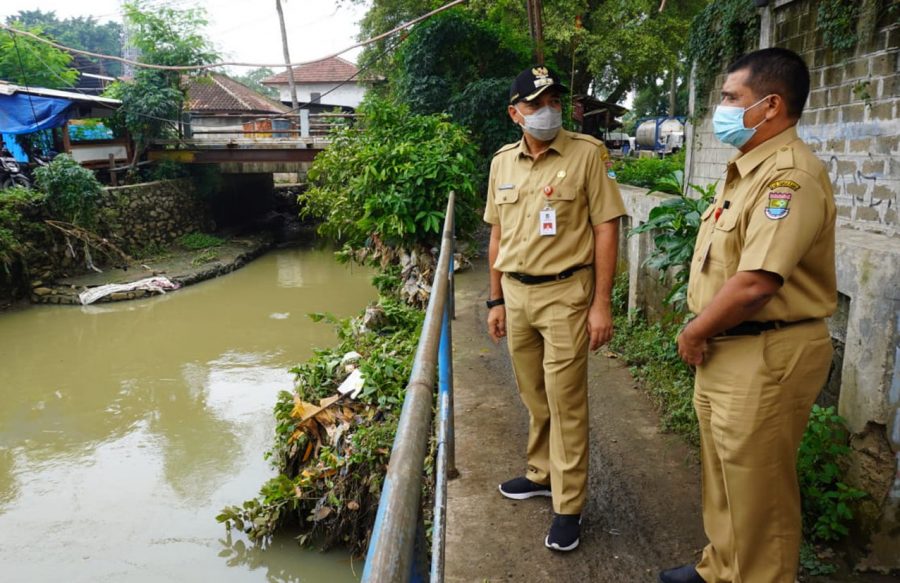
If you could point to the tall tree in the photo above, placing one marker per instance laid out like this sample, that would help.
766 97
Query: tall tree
80 32
607 47
29 62
153 101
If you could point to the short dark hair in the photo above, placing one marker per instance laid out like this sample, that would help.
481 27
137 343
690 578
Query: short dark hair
777 70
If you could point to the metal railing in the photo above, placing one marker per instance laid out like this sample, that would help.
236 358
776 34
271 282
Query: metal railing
398 530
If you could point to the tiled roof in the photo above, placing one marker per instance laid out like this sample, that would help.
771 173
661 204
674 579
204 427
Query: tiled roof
331 70
218 92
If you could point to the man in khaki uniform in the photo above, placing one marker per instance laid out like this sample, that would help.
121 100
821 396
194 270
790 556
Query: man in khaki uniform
762 281
554 229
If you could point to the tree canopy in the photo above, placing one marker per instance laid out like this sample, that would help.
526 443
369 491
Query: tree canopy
81 32
26 61
602 47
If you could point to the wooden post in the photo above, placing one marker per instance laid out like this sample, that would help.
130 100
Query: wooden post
535 23
287 57
67 143
113 179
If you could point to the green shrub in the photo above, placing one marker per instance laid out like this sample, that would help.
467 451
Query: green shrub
73 192
646 172
675 224
20 225
820 465
391 177
197 241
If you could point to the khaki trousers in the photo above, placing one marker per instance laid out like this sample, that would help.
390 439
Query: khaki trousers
753 395
546 327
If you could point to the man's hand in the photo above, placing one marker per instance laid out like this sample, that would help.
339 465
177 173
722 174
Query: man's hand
691 349
496 323
599 325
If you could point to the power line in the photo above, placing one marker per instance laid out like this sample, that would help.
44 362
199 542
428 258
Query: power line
229 63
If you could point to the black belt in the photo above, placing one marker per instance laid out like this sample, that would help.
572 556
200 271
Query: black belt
535 279
757 328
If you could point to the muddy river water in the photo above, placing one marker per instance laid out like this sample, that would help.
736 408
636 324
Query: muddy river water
126 427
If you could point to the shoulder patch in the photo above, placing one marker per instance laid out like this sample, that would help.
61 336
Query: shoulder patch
783 184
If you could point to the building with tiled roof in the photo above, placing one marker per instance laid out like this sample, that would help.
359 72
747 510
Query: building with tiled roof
219 104
324 84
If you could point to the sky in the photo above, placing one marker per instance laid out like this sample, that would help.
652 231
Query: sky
242 30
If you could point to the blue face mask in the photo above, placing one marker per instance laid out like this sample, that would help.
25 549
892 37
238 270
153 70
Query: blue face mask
728 124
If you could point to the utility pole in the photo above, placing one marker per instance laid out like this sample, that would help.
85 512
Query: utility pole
536 26
287 57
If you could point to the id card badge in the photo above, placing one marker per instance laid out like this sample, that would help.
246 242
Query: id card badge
548 222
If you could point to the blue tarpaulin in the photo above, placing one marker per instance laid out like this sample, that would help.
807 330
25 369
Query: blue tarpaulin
24 114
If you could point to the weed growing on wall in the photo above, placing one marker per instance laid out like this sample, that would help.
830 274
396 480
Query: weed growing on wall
821 463
20 228
197 241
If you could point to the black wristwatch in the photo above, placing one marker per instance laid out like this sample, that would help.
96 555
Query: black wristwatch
494 303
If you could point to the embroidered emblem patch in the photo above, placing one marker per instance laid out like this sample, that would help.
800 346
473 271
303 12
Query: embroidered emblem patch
780 198
777 207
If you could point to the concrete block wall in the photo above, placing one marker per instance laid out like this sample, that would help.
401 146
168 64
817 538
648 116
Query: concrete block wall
852 122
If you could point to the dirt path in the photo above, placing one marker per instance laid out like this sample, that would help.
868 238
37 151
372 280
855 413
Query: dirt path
643 510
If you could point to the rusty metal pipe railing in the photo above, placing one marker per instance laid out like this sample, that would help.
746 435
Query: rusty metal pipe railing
390 558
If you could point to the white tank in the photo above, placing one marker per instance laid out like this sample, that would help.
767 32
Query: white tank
646 135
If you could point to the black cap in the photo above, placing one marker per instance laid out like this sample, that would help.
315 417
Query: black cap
532 82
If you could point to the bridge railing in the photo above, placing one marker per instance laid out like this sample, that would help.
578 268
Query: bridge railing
290 126
395 550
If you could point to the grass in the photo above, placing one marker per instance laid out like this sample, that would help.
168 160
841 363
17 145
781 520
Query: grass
198 241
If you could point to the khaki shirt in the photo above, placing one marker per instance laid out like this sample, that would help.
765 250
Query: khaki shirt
580 192
777 215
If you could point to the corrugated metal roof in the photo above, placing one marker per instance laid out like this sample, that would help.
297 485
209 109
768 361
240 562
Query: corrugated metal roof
332 70
7 88
217 92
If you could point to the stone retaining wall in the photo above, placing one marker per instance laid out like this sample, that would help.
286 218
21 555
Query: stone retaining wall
155 213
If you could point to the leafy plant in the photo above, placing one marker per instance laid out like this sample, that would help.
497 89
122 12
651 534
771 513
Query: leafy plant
674 224
837 21
826 499
73 192
26 61
197 241
812 563
332 463
648 172
20 209
390 178
724 30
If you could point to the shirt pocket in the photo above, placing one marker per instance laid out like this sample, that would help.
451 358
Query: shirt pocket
508 196
724 245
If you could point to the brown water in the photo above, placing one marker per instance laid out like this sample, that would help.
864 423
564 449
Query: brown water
126 427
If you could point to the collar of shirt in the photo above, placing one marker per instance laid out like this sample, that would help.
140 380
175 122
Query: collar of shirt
746 163
558 145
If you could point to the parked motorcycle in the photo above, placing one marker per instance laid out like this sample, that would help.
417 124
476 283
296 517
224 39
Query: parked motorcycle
10 171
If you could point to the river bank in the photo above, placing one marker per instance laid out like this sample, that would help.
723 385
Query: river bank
183 267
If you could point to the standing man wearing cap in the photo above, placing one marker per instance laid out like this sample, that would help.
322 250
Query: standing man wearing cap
762 282
554 234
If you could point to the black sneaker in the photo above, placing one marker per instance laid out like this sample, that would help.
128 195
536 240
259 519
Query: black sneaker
564 532
523 488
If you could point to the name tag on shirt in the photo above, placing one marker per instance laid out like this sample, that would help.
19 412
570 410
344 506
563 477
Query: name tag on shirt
548 222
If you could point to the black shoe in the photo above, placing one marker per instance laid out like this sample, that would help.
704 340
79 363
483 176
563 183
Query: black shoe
564 532
682 574
523 488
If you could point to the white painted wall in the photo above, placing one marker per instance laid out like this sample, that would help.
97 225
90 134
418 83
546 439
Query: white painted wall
349 95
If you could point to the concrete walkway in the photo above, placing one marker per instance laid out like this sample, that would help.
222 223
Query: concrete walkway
643 511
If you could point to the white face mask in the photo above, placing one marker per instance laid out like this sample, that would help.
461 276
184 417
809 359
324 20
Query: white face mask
542 125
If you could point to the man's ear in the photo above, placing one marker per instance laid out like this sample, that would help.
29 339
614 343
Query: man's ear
513 112
777 106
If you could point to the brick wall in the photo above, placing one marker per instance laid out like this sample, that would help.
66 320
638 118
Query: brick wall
851 120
